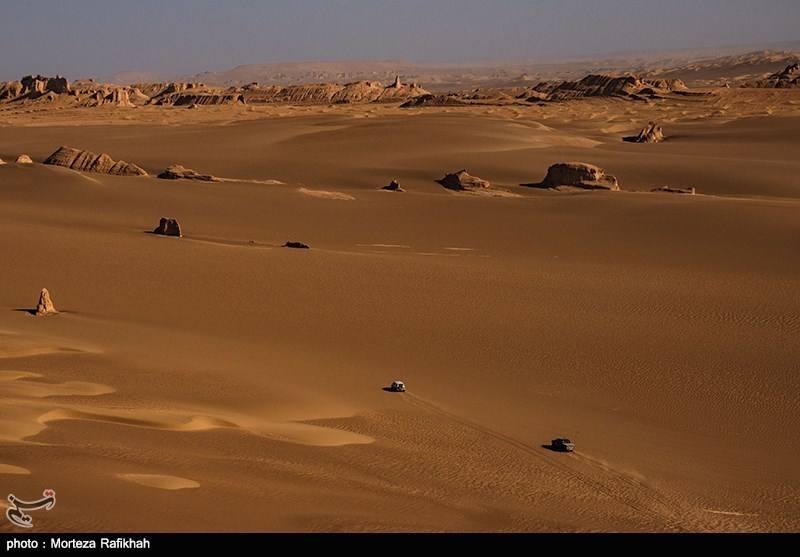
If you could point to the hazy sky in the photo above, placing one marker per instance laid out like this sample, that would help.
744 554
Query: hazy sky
92 38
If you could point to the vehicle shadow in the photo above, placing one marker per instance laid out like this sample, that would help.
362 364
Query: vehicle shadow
550 447
390 390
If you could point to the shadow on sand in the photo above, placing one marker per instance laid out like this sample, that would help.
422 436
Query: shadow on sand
538 185
33 311
550 447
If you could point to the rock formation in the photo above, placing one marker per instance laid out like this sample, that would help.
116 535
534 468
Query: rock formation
394 185
87 93
30 87
119 97
202 99
651 133
168 227
86 161
162 91
10 90
24 159
668 189
2 161
461 181
335 93
299 245
604 86
177 172
137 97
430 99
45 305
571 175
788 77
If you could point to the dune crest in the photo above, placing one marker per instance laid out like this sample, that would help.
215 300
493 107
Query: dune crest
11 469
322 194
291 432
160 481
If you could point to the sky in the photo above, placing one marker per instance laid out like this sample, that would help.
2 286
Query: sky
95 38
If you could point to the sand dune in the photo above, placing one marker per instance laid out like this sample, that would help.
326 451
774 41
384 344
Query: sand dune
321 194
160 481
658 332
10 469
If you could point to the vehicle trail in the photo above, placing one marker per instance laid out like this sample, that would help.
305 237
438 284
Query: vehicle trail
633 493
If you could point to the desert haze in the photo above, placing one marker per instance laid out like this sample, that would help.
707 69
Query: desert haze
610 258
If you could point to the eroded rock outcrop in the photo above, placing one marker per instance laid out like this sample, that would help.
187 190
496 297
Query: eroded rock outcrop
669 189
10 90
605 86
30 87
86 161
178 172
788 77
168 227
430 99
157 91
335 93
207 99
23 159
296 245
118 97
651 133
462 181
45 305
576 175
394 185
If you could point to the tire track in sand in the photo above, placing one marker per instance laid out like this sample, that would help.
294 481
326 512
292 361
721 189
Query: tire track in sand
617 485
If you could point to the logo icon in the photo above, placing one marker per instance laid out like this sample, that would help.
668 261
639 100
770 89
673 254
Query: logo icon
16 515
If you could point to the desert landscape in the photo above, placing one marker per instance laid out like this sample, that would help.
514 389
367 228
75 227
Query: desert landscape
606 257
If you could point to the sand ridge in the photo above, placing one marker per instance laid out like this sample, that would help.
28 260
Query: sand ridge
160 481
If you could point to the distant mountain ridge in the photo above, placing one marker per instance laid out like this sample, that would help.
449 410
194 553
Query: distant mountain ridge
753 63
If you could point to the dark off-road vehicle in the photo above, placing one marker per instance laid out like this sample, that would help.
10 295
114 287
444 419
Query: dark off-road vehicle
562 445
398 386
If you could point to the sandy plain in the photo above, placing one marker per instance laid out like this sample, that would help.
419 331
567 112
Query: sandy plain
219 382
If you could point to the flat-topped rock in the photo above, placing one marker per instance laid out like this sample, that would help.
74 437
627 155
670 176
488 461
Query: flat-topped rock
297 245
86 161
580 175
462 181
178 172
168 227
669 189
